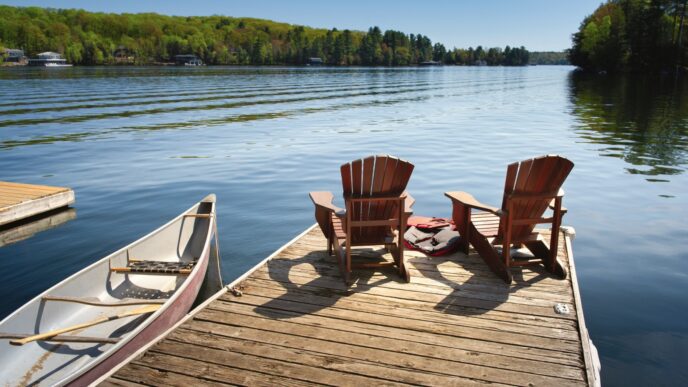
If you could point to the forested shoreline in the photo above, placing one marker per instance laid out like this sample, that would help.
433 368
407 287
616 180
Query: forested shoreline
632 35
88 38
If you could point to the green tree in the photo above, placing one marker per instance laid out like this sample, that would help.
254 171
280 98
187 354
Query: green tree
638 35
439 52
91 38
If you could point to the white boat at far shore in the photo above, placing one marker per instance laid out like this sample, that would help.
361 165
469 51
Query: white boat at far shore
57 65
49 59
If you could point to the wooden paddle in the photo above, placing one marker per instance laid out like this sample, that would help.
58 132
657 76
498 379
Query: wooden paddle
41 336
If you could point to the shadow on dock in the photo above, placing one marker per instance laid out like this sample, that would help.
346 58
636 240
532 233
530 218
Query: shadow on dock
326 288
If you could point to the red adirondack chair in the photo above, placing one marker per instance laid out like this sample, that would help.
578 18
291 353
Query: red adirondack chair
532 186
376 210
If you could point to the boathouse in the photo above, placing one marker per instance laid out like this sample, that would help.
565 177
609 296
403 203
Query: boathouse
13 55
122 55
315 61
187 60
48 58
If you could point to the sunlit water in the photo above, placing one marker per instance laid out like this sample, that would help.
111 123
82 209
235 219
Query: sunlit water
140 145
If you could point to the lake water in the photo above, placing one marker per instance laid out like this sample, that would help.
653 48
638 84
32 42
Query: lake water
139 145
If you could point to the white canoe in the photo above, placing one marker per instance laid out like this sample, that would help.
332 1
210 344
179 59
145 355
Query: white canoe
112 286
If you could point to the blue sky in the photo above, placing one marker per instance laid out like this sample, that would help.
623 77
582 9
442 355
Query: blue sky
537 24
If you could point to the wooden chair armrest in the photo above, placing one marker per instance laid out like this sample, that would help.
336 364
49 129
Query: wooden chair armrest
551 207
323 200
469 201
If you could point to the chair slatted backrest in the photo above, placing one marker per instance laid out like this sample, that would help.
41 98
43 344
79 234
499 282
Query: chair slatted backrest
369 177
540 175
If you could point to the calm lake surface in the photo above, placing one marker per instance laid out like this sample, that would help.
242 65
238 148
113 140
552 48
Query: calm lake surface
140 145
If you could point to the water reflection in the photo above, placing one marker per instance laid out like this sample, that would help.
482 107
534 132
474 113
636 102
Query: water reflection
27 228
639 119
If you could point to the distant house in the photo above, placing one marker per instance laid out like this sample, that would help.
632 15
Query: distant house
315 61
48 59
480 62
430 63
123 55
13 55
187 60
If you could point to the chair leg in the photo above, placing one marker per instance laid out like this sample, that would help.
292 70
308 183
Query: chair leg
347 266
548 257
403 269
398 256
462 218
488 253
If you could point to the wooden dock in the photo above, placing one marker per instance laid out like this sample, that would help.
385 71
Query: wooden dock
20 201
292 321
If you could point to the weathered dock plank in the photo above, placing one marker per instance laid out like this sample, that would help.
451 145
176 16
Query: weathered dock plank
292 321
19 201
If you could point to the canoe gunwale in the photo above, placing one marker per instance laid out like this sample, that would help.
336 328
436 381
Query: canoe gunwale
125 339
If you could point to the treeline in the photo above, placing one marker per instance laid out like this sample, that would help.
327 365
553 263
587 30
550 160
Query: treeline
549 58
100 38
635 35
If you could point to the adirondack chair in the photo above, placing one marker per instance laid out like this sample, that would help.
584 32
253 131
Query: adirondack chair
376 210
532 186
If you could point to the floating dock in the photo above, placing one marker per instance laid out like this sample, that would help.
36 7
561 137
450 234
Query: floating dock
292 321
20 201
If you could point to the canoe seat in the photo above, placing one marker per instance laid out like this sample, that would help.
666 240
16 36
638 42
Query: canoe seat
156 267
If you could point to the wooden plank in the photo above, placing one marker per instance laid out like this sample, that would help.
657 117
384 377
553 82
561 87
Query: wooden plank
591 373
368 177
311 366
466 264
23 196
535 277
441 299
409 338
390 308
38 187
411 306
434 279
307 368
120 383
29 189
411 325
183 376
12 212
216 371
390 351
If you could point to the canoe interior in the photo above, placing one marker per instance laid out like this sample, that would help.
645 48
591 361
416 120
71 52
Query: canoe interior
48 363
